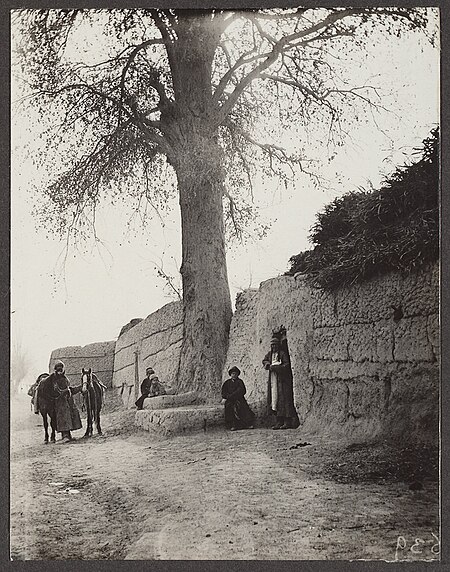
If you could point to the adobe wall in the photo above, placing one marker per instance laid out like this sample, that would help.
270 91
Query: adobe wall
155 342
365 359
98 356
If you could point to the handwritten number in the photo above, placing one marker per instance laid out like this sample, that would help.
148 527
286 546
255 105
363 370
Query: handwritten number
416 548
417 543
401 545
437 544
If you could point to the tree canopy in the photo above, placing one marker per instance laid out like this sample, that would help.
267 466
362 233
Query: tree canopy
122 103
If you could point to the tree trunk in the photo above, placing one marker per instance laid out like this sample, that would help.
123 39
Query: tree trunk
198 161
206 295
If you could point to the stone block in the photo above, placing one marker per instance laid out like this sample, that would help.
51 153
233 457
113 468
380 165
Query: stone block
373 342
421 292
411 341
331 343
384 341
162 423
345 370
171 401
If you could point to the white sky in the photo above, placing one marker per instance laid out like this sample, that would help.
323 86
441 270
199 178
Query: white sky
106 287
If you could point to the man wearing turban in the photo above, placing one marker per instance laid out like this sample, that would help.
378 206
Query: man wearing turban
280 388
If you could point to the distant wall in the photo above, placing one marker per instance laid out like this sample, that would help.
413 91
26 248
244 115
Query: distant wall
98 356
364 359
155 342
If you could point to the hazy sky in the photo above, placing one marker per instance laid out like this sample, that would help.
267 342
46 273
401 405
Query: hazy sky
102 288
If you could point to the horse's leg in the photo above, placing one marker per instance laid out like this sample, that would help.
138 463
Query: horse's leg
93 402
86 405
53 426
98 400
99 429
92 418
88 416
44 419
87 401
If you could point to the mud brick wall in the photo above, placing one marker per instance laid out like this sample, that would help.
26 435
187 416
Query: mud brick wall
98 356
243 334
154 342
365 358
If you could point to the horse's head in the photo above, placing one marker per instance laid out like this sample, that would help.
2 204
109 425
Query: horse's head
86 379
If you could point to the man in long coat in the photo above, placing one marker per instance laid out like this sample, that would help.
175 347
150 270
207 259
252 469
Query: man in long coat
67 414
238 414
280 389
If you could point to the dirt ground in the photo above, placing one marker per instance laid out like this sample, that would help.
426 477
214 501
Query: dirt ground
257 494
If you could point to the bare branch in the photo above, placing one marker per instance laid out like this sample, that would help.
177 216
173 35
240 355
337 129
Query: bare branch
282 45
243 60
170 281
130 59
274 17
237 228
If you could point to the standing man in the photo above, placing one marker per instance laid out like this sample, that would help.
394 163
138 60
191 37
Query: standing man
280 388
67 414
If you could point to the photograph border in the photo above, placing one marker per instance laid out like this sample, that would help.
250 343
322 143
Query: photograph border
5 236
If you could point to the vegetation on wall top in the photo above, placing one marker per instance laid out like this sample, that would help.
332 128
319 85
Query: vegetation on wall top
364 234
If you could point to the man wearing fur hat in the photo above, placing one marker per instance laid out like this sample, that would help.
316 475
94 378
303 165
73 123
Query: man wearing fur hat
67 414
280 388
238 414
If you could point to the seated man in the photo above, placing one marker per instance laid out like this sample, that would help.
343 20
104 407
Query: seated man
238 414
150 387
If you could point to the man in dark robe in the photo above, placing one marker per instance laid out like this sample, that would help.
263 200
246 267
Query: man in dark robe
150 387
280 388
238 414
67 414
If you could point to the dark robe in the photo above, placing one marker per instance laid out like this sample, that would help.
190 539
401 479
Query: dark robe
285 392
237 411
67 414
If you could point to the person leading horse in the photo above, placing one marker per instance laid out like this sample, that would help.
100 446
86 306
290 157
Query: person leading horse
66 412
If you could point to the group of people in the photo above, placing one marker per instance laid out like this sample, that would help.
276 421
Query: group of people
238 414
151 387
280 393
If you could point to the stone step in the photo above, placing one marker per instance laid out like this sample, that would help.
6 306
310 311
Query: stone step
179 420
170 401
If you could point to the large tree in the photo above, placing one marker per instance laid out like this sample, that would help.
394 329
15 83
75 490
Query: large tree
155 88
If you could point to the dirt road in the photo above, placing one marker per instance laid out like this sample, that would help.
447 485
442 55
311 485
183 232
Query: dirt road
255 494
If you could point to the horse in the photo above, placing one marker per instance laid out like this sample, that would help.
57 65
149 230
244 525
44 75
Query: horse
92 389
45 396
